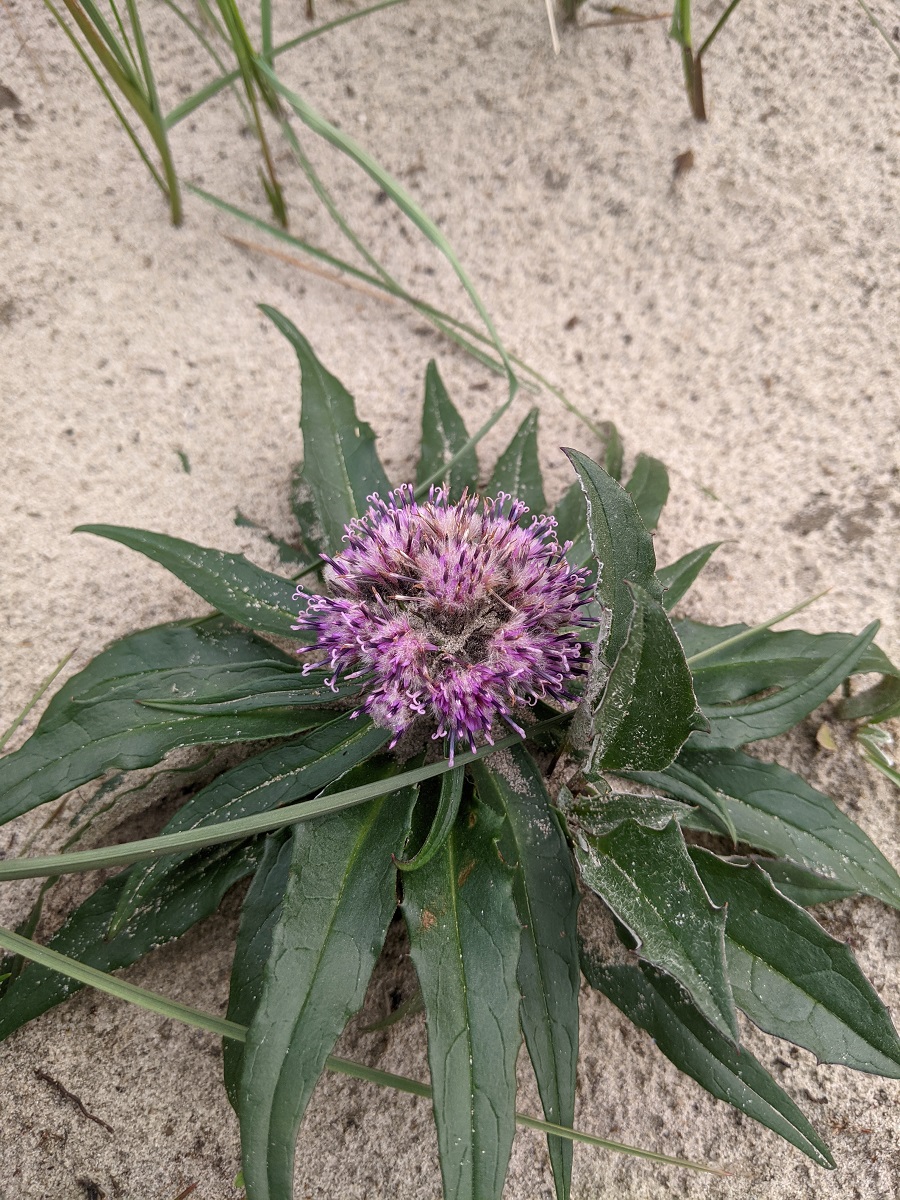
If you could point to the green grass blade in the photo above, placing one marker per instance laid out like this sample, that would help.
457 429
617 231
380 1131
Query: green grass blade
211 89
878 25
343 142
154 1002
39 692
746 634
451 327
717 28
211 51
108 96
230 831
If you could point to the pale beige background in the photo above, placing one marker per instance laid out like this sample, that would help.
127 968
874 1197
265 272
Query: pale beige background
740 321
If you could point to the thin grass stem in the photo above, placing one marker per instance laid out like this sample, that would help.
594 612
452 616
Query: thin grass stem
39 691
343 142
895 50
749 633
717 28
243 827
439 318
211 89
221 1027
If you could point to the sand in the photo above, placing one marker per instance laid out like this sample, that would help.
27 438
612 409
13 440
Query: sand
738 319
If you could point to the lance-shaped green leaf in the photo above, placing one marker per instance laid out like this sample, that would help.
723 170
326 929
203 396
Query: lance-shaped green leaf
192 892
648 880
571 525
791 978
279 686
518 469
339 900
598 815
746 665
733 725
878 703
276 777
242 591
259 914
613 450
801 885
656 1003
775 810
464 936
310 534
546 895
678 576
444 819
340 462
622 546
681 783
647 710
93 723
649 488
444 435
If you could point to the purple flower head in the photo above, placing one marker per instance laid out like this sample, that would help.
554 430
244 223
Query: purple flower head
453 612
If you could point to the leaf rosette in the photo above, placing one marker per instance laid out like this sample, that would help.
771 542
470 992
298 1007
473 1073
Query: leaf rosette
587 740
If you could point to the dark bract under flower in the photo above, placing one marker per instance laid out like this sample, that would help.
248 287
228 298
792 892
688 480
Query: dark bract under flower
455 612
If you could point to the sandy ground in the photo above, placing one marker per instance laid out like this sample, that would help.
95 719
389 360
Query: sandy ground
738 320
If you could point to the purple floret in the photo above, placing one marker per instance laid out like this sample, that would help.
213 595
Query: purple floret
453 612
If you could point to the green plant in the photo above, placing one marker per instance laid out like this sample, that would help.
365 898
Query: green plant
486 847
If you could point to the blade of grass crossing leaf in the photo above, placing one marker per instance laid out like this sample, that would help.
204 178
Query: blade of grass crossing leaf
464 939
229 831
655 1003
518 469
546 895
271 779
450 326
746 633
736 725
339 901
767 660
32 701
192 893
93 724
154 1002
